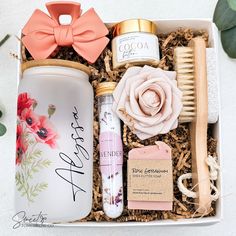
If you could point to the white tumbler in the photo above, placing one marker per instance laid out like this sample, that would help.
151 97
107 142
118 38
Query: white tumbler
54 146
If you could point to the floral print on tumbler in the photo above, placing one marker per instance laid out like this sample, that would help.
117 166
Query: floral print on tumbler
32 129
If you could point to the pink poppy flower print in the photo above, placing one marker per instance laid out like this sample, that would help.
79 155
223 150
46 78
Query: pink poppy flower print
46 132
34 133
21 146
30 118
24 101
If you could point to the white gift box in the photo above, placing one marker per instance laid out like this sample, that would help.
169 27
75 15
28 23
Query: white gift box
166 26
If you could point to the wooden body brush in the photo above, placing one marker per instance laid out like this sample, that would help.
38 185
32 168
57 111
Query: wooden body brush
191 68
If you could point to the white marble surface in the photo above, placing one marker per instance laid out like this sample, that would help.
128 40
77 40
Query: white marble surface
13 15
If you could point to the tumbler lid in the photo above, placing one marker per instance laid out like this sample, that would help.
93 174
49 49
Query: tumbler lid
55 62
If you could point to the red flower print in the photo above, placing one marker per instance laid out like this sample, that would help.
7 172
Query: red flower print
19 130
24 101
21 146
46 132
31 119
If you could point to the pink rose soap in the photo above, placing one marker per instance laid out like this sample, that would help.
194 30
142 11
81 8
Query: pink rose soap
150 179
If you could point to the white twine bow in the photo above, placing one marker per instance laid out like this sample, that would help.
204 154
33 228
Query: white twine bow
214 169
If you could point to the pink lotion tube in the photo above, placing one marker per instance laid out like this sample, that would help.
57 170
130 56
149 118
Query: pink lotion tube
111 155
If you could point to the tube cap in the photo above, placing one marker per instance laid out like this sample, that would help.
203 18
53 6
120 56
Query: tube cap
105 88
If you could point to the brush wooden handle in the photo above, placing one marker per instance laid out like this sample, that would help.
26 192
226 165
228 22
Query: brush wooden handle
198 128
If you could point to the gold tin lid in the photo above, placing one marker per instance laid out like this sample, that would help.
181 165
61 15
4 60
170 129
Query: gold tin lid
55 62
134 25
105 88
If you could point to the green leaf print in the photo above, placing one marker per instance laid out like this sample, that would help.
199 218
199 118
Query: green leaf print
31 164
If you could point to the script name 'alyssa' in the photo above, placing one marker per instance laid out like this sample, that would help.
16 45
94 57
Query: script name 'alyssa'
74 165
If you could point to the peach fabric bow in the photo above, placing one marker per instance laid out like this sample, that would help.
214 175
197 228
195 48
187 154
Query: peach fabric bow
86 33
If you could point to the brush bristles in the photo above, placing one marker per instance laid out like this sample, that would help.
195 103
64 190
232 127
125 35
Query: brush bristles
184 66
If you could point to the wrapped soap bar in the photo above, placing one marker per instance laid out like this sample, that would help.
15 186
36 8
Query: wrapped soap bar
150 178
